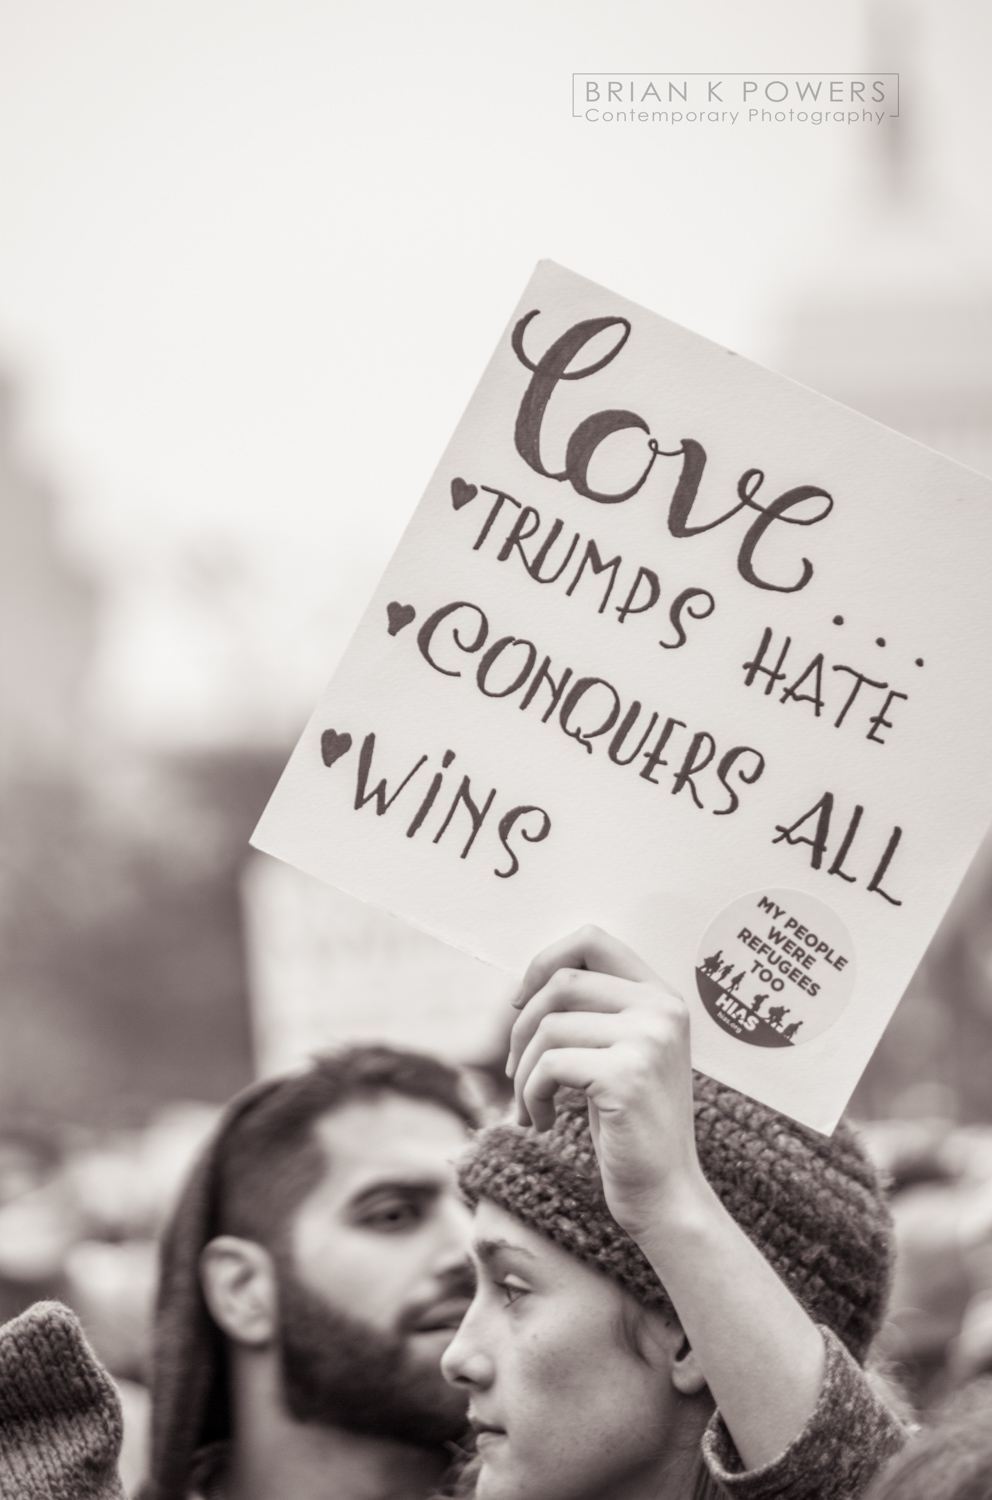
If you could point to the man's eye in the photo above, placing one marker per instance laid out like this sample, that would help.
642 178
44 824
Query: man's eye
390 1217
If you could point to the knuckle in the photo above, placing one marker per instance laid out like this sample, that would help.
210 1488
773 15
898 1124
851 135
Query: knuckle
666 999
670 1007
537 1072
639 1066
626 1058
647 1027
565 981
661 1028
677 1016
657 1033
613 1067
548 1028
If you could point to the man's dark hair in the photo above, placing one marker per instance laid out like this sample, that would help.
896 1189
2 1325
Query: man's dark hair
261 1162
269 1158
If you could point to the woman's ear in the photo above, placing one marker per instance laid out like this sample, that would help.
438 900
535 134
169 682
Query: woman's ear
238 1278
687 1376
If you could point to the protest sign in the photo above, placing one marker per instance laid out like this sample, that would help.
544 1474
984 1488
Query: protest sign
679 647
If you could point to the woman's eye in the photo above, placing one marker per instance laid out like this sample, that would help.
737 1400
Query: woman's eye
512 1289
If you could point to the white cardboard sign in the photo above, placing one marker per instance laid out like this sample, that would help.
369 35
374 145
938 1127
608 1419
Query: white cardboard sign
676 646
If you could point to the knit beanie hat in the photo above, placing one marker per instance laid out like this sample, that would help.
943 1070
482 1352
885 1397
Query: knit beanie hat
812 1204
60 1415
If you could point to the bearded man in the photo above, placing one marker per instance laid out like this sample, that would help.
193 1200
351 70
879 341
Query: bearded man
312 1276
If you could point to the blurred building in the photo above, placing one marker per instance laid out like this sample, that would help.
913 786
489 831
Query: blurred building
894 318
122 975
897 317
48 620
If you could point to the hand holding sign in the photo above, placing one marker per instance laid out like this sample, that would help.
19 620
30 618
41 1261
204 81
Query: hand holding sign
595 1017
653 652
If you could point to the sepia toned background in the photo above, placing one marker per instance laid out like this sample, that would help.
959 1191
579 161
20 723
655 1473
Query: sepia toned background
253 257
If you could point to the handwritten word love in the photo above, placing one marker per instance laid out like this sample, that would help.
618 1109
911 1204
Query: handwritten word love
554 367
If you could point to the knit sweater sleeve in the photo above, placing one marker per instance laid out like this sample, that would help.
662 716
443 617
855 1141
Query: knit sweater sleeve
848 1437
60 1415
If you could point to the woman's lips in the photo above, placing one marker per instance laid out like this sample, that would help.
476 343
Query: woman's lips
485 1432
488 1438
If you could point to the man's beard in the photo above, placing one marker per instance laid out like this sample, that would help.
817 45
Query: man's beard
339 1372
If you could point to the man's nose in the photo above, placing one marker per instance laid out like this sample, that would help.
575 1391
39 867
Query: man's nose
454 1234
464 1362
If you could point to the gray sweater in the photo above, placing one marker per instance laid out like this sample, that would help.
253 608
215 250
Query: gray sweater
60 1415
848 1438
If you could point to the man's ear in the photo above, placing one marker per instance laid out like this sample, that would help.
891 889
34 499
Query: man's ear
687 1376
238 1278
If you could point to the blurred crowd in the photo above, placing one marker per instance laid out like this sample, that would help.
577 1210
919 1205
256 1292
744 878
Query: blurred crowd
938 1335
80 1215
81 1212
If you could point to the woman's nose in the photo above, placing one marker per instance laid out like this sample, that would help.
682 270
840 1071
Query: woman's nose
464 1362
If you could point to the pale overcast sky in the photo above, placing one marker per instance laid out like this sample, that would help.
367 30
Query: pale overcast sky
255 253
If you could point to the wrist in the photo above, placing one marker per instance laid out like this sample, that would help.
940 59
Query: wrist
680 1221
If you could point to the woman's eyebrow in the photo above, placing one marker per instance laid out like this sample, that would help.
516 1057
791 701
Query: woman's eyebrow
487 1250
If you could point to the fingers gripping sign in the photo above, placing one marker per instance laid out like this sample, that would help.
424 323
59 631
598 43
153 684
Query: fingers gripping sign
593 1016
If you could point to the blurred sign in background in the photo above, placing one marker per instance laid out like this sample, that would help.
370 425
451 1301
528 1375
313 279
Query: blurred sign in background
229 233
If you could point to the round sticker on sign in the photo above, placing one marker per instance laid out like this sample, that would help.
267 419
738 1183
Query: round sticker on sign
775 968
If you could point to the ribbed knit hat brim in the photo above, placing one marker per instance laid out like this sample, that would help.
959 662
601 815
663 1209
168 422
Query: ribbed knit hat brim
812 1204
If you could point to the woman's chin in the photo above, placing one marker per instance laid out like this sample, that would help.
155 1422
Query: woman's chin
495 1482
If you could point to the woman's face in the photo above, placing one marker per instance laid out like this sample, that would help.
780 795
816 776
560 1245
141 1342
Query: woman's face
563 1406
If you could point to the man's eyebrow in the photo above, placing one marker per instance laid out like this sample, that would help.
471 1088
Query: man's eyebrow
487 1250
410 1187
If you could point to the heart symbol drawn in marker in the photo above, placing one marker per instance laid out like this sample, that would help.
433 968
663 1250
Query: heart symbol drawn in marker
462 493
399 615
333 746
